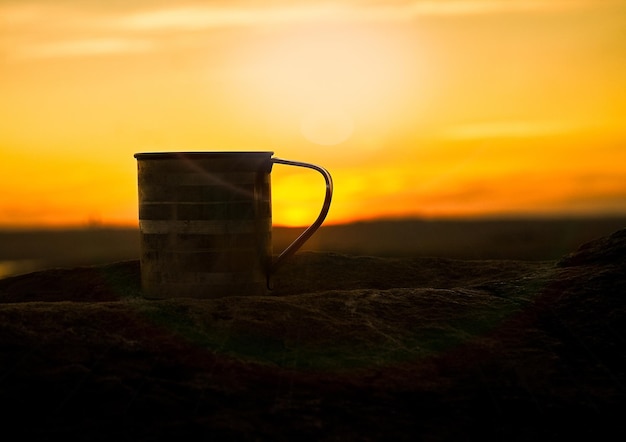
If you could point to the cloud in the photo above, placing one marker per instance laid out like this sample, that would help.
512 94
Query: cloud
506 129
67 29
84 47
201 17
206 16
43 31
193 15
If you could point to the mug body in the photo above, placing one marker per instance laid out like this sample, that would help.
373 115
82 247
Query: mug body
205 222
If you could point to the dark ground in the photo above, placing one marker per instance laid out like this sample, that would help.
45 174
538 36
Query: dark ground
346 348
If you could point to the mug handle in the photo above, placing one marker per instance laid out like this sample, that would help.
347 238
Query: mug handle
294 246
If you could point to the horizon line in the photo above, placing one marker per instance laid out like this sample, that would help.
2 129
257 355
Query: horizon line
383 219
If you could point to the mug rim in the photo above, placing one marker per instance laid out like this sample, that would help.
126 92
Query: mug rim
200 154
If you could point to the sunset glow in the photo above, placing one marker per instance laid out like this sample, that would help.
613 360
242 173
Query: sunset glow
454 108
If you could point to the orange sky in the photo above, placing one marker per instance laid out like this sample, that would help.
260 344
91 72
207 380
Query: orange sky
417 108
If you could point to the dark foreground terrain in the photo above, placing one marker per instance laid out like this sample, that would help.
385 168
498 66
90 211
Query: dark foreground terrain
346 348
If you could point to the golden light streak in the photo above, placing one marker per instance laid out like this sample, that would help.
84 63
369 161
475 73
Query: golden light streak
507 129
90 47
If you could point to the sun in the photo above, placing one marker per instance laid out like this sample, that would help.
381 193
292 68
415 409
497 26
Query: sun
327 126
329 76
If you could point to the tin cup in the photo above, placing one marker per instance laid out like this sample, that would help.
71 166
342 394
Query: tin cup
205 222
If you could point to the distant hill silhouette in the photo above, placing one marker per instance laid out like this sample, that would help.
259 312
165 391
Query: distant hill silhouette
526 239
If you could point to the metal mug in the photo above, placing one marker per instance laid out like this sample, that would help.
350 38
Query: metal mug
205 221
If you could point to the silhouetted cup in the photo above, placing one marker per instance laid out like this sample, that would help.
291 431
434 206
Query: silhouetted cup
205 221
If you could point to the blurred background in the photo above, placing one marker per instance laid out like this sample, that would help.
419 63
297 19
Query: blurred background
502 117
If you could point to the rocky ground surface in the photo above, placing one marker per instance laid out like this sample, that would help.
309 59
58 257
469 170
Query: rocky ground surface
345 348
